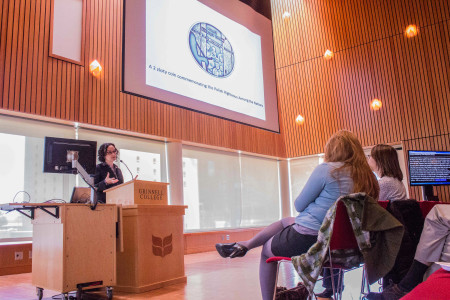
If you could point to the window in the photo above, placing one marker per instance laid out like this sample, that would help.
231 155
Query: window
213 189
222 189
22 179
145 158
147 166
225 190
260 191
300 169
21 158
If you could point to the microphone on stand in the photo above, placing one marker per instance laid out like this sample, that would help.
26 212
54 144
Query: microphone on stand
121 161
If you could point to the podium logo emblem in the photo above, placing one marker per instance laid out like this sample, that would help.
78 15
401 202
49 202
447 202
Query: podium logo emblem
162 246
211 49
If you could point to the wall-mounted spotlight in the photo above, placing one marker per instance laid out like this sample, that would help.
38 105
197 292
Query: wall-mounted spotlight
411 31
300 120
328 54
95 68
376 104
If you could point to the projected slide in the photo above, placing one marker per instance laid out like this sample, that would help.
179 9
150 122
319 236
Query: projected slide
194 51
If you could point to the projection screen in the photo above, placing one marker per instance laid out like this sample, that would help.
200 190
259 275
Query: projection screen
210 56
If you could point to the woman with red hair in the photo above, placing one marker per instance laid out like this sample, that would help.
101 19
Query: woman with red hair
344 171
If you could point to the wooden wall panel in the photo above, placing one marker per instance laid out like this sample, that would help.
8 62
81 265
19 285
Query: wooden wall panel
198 242
9 265
34 83
315 26
373 59
436 143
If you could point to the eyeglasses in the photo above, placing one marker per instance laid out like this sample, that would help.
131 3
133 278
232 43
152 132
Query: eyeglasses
111 152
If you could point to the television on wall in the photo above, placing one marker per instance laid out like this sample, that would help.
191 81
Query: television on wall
428 169
211 56
59 153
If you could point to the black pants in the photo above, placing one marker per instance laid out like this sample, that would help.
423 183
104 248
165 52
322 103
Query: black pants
289 242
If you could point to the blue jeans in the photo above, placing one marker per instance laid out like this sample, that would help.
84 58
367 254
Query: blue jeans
327 279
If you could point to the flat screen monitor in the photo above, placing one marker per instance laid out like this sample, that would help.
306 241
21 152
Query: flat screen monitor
81 195
428 168
59 153
211 56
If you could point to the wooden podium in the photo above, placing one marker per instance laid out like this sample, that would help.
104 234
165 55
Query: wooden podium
153 255
72 245
138 192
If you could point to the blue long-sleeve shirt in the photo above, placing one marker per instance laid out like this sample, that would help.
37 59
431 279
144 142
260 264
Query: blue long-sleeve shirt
320 192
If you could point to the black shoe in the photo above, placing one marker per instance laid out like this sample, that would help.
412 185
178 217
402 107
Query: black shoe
326 294
225 249
239 251
393 292
231 250
373 296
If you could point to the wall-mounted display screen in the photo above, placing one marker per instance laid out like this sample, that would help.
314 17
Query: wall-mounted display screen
429 167
59 153
210 56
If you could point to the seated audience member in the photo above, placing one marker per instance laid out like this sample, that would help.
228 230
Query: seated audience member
434 246
383 160
344 171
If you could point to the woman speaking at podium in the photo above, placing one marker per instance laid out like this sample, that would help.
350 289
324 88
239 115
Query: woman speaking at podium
107 174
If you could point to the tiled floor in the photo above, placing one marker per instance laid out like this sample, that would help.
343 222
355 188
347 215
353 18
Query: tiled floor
208 277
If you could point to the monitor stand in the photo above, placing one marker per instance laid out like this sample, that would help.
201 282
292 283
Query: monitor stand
428 194
89 180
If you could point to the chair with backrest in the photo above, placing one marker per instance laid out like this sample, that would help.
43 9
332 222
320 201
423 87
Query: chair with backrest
412 216
426 206
342 238
384 203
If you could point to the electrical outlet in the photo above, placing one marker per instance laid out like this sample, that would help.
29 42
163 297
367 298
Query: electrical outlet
18 255
30 254
227 237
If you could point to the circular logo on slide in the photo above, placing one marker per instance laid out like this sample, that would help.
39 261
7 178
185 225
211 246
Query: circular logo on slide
211 49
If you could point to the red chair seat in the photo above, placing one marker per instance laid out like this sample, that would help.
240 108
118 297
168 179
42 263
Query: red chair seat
426 206
435 287
277 258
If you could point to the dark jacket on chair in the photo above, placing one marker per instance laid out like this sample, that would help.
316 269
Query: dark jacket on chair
385 234
409 214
